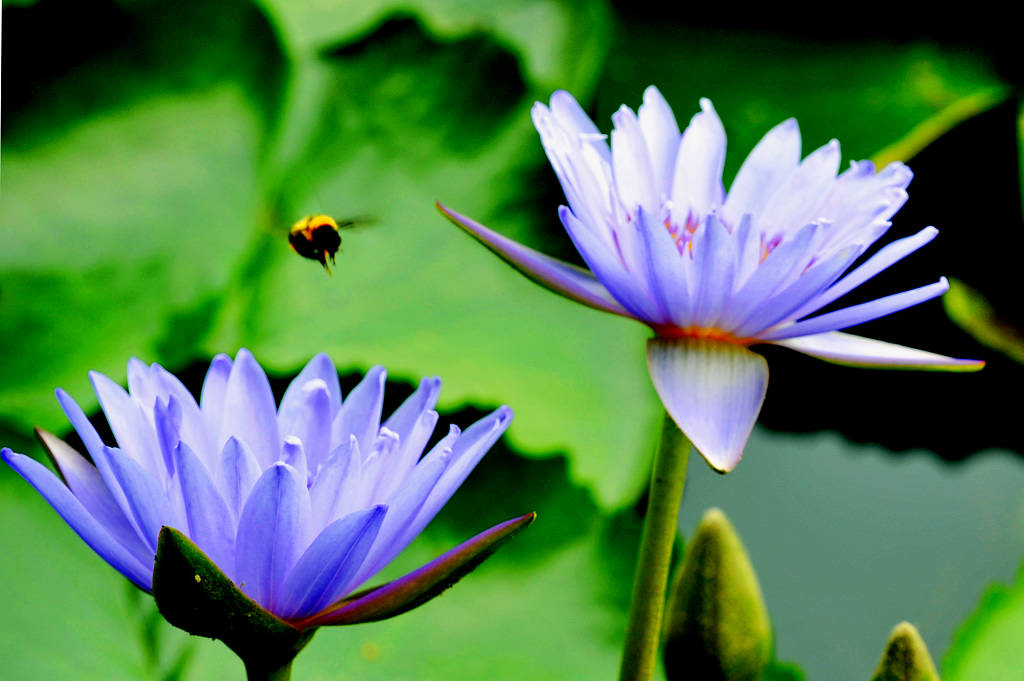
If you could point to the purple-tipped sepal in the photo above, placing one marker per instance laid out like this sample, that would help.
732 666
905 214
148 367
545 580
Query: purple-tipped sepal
423 584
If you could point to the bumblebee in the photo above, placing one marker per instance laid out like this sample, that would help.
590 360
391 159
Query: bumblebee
318 237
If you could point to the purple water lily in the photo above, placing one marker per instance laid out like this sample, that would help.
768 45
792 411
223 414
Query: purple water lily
298 505
713 272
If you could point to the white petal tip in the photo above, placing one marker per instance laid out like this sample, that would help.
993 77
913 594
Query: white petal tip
712 390
850 350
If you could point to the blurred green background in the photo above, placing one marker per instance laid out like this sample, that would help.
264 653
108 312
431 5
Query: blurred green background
156 152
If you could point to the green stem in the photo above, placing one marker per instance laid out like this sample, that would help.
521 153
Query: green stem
643 632
269 658
259 673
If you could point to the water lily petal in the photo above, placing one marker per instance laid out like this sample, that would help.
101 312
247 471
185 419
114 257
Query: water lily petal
631 163
782 305
862 197
712 390
249 410
669 271
661 134
763 171
140 384
320 367
413 423
325 570
132 430
88 486
215 387
308 419
561 277
697 186
767 278
193 429
858 314
583 171
422 584
336 484
147 500
237 473
360 412
167 421
403 506
844 348
797 200
272 534
884 258
629 287
715 270
79 519
467 450
210 523
570 115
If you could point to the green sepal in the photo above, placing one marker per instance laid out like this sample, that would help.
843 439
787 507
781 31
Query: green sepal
717 627
906 657
193 594
423 584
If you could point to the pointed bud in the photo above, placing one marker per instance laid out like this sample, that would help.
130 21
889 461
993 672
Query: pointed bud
905 658
717 627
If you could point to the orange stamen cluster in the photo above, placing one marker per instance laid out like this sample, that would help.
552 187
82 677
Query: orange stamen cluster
707 333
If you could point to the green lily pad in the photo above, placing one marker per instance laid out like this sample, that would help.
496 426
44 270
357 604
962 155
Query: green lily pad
891 101
559 43
969 309
987 644
96 270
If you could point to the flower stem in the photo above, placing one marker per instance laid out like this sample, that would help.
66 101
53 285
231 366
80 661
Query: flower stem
259 673
643 632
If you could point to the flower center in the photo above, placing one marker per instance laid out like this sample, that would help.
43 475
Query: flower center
683 236
708 333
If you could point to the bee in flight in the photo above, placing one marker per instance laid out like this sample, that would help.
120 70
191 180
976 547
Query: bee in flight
318 237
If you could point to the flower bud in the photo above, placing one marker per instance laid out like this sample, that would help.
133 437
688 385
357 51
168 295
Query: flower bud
717 627
905 658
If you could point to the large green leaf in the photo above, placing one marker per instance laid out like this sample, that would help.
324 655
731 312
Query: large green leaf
877 98
987 645
130 190
970 310
110 251
559 42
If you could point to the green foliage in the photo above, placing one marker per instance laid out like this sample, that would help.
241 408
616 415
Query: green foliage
890 101
975 315
782 671
988 644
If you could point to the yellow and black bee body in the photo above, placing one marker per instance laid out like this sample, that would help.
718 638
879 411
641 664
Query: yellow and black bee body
316 237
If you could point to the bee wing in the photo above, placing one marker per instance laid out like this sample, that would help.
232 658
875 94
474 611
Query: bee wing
356 222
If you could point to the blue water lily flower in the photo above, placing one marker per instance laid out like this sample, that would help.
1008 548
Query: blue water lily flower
297 504
713 272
